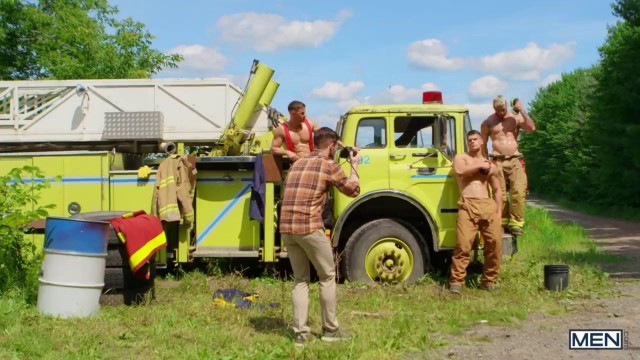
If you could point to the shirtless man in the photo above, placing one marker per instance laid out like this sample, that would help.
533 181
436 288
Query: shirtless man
503 128
477 213
296 134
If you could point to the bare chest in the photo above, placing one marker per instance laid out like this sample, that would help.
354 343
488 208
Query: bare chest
299 135
508 128
474 186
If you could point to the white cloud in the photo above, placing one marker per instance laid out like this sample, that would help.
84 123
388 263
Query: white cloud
395 94
398 94
527 63
345 105
272 32
486 87
550 79
429 87
432 54
327 119
337 91
479 112
200 58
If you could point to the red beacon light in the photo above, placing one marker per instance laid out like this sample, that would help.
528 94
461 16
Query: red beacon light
429 97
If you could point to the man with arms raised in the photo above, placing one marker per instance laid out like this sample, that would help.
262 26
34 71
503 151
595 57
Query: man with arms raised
503 127
477 213
296 134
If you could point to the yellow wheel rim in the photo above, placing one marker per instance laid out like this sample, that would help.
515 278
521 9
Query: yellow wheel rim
389 260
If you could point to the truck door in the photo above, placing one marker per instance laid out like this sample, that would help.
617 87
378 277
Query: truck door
420 159
371 136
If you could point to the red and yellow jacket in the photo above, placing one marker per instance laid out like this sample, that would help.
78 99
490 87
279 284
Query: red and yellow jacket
142 235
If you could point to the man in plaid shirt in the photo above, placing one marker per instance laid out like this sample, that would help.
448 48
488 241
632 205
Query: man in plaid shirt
302 230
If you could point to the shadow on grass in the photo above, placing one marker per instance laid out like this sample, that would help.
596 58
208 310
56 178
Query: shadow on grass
617 266
591 256
221 267
269 325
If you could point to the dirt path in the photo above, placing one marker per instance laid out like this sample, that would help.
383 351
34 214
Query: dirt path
546 336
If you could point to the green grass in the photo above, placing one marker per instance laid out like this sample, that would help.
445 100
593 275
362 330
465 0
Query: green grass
388 321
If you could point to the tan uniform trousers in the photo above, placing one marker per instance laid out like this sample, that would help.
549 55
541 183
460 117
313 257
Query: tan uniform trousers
314 247
513 180
477 215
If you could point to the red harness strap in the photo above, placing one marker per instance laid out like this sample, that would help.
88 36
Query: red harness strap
287 135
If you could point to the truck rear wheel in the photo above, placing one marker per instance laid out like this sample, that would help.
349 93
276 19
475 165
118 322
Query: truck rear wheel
385 251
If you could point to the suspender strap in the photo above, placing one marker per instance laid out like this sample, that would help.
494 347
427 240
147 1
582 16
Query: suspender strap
287 136
310 134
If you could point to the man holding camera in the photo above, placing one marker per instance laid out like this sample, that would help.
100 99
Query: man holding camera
477 213
302 230
503 128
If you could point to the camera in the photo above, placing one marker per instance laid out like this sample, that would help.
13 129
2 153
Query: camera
347 151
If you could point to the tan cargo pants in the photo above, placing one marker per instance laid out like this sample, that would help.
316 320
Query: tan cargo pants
314 247
477 215
513 180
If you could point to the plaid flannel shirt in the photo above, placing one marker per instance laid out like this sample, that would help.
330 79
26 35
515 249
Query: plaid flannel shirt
305 193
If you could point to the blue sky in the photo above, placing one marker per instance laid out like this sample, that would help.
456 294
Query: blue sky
335 54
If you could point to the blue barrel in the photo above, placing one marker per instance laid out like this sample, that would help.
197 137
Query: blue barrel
72 275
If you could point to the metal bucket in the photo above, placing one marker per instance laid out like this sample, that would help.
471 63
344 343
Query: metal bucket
72 275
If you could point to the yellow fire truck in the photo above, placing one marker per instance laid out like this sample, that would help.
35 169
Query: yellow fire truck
91 137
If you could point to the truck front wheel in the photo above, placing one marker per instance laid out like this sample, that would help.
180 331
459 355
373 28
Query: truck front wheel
384 251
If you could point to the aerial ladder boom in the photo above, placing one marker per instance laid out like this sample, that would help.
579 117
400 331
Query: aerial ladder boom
134 115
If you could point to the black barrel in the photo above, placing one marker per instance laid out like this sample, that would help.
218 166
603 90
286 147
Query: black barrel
556 277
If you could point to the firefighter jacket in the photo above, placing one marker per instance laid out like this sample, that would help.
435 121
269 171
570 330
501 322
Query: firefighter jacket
142 236
174 189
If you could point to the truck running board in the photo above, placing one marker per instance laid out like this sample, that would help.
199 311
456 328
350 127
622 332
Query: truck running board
226 253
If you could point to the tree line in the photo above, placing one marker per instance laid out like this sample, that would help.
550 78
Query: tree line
587 145
58 39
75 39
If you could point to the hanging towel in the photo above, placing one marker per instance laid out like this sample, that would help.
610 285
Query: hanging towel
258 189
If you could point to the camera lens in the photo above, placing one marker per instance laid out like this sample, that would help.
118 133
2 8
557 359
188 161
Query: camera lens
347 152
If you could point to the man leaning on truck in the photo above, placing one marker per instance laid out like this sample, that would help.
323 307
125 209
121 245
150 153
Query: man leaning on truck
477 213
302 230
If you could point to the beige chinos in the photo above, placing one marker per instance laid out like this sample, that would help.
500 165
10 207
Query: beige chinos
314 247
